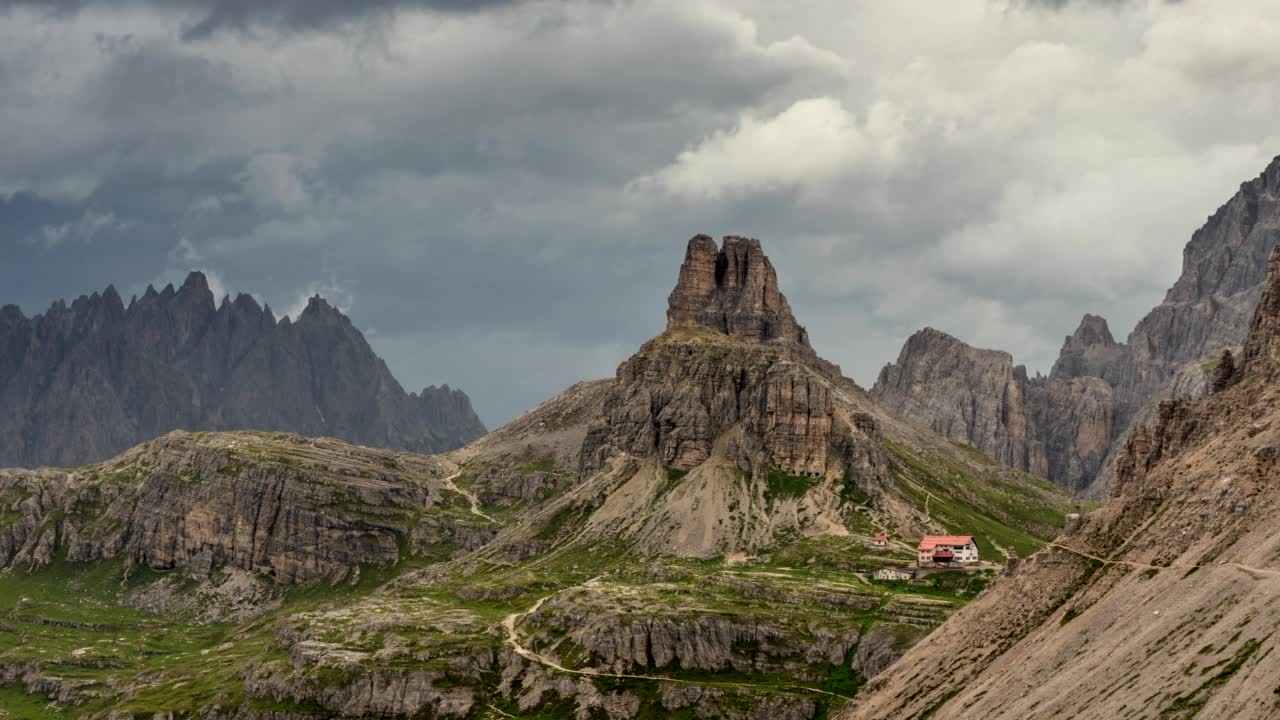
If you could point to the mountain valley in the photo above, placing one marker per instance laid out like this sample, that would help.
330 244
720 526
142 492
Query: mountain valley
692 538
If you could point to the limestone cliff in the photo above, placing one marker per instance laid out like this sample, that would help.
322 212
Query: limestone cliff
1178 566
85 381
1171 353
960 392
280 506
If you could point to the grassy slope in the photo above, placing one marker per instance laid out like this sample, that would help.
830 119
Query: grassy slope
1020 515
96 639
102 642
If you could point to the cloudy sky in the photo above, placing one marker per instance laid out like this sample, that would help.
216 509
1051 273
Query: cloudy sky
499 192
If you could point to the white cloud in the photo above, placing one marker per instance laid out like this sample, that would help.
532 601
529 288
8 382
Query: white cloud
974 165
810 144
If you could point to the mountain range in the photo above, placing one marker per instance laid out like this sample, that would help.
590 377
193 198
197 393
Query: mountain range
692 537
87 380
1070 426
1159 605
699 536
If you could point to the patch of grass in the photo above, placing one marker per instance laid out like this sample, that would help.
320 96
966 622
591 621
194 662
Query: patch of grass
673 478
558 522
1189 705
973 452
780 485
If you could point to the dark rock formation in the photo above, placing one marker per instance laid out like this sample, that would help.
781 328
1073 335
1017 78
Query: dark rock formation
276 505
732 354
1225 373
1169 354
86 381
734 290
1262 350
963 393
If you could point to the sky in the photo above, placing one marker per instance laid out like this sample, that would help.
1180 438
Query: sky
499 193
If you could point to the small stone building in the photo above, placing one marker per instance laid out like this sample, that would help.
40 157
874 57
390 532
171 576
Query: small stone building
894 572
881 541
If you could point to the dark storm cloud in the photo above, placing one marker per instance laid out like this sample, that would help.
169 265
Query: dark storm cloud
210 16
501 198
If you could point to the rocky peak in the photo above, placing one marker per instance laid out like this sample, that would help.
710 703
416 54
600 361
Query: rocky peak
174 359
732 289
1093 330
1262 349
964 393
1228 254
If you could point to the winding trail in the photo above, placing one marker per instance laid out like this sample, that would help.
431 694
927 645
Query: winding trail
510 622
470 496
1254 571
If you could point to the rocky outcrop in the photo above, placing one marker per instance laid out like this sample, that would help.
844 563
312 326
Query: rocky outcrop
966 394
1060 429
85 381
680 393
736 416
733 290
732 355
279 506
1170 353
1178 565
1262 351
1225 373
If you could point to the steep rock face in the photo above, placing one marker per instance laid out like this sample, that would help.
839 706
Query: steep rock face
1262 350
1179 565
1075 419
683 391
288 508
733 290
86 381
966 394
732 354
1169 354
1058 428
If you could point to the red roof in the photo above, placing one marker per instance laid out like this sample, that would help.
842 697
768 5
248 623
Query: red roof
929 542
881 538
943 554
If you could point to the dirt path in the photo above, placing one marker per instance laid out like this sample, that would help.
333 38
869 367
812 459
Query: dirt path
471 498
1255 571
510 622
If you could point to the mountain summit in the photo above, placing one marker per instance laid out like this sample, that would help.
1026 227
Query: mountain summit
85 381
734 290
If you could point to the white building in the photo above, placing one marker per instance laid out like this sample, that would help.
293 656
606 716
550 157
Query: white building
947 550
890 572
